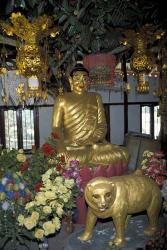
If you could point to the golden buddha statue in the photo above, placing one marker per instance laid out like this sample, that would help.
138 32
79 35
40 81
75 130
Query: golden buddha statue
79 120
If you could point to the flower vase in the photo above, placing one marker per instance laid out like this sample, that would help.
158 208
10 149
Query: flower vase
43 245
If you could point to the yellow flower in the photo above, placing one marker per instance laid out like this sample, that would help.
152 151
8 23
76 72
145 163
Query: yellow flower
48 184
51 161
53 203
29 223
69 183
40 199
49 228
21 151
56 222
59 211
64 198
21 157
46 176
50 195
39 233
35 215
62 189
2 196
21 219
47 209
29 205
59 179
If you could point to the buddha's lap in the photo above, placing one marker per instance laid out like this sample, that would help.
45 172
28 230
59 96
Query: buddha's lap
99 153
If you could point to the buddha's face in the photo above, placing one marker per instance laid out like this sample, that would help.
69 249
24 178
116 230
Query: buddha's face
79 82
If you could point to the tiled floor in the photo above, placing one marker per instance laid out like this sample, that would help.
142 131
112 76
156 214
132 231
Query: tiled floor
103 232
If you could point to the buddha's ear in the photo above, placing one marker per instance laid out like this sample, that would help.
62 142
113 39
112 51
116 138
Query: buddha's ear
70 81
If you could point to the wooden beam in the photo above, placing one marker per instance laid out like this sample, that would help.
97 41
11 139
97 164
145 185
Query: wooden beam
7 41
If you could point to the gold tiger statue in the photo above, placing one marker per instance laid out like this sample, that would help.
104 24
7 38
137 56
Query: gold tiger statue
119 197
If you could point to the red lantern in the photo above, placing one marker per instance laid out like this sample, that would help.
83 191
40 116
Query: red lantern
101 69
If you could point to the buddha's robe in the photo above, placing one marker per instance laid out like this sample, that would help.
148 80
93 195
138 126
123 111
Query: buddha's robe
80 122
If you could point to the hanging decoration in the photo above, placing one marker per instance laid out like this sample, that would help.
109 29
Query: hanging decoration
3 76
101 69
141 61
31 59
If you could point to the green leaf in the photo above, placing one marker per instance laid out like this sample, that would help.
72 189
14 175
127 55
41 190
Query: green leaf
51 2
41 7
31 2
81 13
65 4
63 18
9 7
65 26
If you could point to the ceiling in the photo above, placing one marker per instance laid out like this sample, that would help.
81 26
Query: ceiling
86 27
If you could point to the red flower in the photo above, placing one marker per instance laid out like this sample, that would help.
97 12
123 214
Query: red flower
58 168
24 167
16 195
48 150
38 186
54 136
160 180
62 158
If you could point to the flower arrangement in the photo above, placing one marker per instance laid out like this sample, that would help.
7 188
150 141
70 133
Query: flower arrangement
164 194
56 197
35 192
159 241
154 166
14 194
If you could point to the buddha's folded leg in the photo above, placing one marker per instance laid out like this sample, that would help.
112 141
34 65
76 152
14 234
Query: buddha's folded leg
107 154
81 154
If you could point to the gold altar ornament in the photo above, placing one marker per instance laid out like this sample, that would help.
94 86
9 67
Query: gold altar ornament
79 120
31 58
141 61
142 86
119 197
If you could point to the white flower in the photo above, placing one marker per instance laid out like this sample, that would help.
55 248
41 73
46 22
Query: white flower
5 205
4 180
22 186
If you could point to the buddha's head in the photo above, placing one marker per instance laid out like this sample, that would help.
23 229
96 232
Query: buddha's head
78 79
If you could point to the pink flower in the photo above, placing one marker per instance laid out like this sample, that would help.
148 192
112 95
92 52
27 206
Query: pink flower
160 180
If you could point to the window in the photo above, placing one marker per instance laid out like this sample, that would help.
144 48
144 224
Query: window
19 128
150 121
